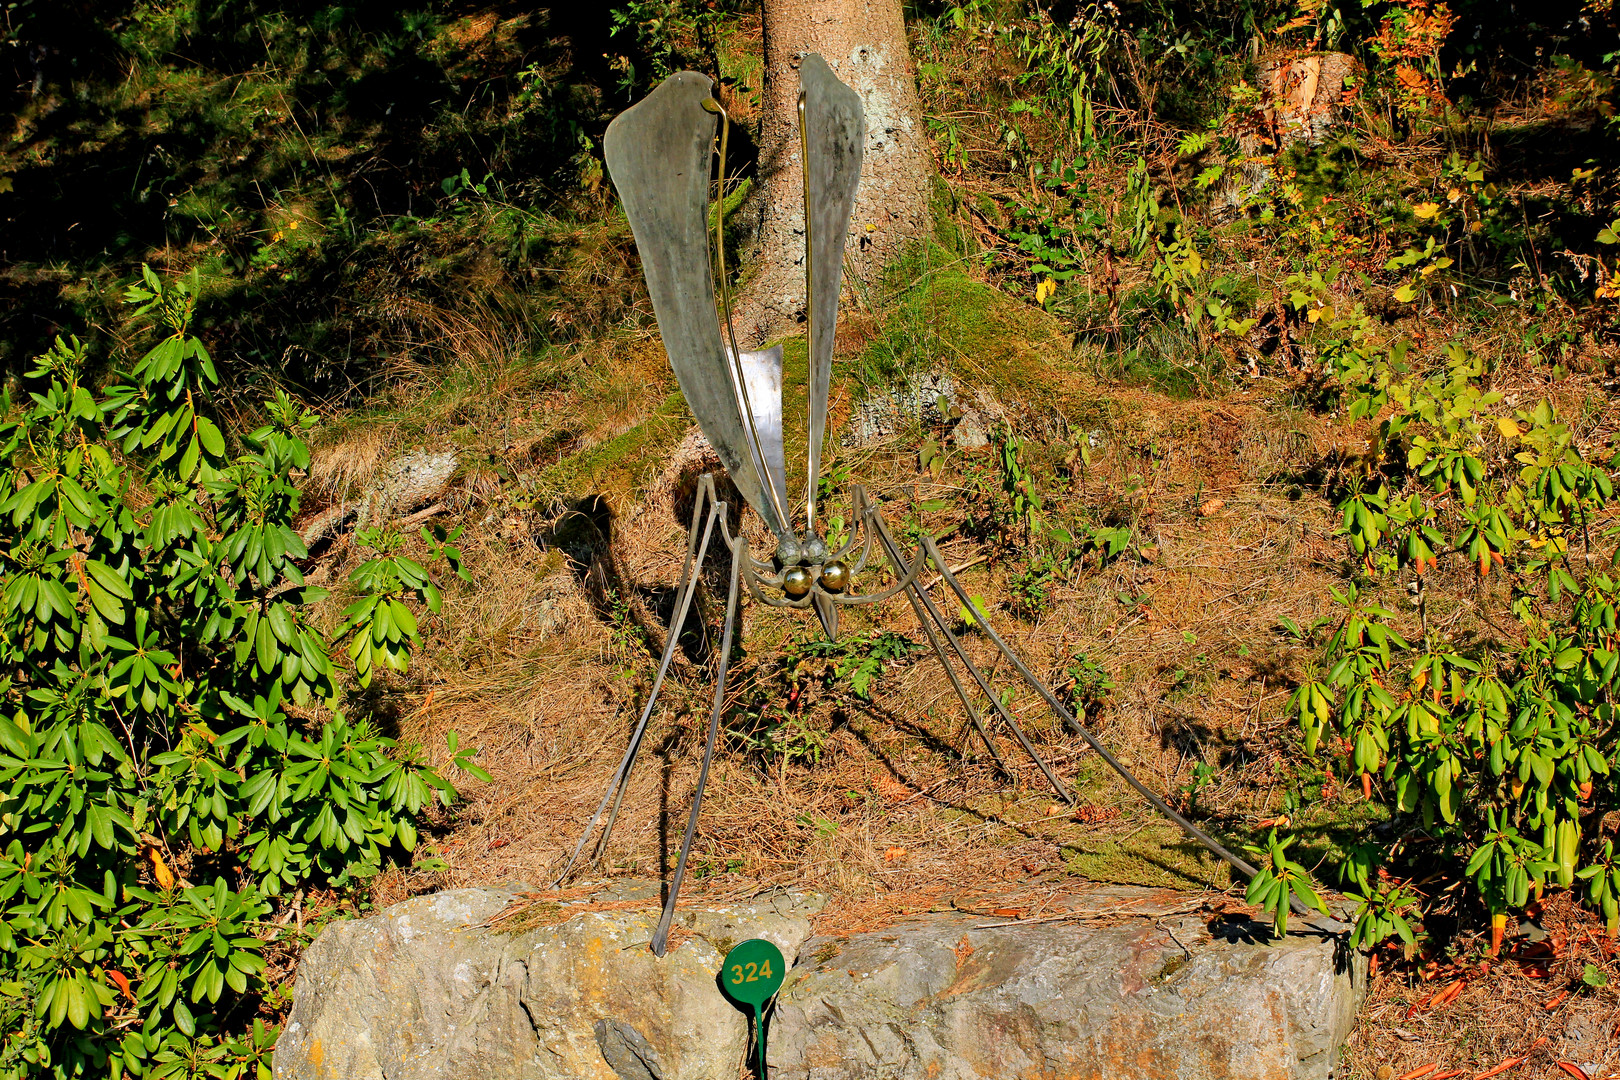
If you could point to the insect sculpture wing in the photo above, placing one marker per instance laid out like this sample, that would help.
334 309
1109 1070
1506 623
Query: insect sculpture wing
659 154
832 124
762 372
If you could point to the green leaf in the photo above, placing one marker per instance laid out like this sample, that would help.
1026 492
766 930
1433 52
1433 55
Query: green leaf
212 440
267 652
108 578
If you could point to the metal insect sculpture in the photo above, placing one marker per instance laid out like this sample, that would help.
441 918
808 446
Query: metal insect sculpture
659 154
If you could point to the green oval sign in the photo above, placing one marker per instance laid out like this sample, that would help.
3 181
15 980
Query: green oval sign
753 971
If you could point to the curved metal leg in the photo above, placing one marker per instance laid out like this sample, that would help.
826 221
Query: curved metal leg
956 684
915 595
706 511
660 937
918 596
1193 832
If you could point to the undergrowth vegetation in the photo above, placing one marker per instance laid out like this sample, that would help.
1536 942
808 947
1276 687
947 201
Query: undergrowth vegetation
176 766
1356 219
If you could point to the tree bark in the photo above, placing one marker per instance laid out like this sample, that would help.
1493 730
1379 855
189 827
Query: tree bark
864 42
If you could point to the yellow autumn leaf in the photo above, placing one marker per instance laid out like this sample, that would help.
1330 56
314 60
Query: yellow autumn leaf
160 869
1044 290
1508 426
1452 195
1425 210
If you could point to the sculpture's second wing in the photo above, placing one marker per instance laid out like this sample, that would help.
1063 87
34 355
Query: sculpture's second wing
658 153
834 137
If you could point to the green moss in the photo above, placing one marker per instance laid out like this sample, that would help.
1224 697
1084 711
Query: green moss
942 319
945 207
1156 855
620 466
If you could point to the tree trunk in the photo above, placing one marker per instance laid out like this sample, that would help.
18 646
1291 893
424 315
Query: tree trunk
864 42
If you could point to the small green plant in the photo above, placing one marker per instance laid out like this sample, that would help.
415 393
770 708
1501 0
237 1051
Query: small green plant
1031 588
778 724
1089 685
662 34
1280 879
972 613
1602 879
1024 511
1383 907
1203 775
822 828
858 660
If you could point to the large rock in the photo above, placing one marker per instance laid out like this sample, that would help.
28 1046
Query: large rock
403 484
953 997
1101 982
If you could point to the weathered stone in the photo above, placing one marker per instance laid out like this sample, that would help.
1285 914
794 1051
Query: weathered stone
403 484
916 399
945 998
626 1051
424 991
1127 982
930 399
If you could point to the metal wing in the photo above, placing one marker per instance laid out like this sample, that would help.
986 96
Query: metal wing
658 154
762 371
834 134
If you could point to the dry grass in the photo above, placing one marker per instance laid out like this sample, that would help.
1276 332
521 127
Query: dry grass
1531 1004
531 668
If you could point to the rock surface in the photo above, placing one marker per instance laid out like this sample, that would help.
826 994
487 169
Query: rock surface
953 997
932 399
403 484
1101 982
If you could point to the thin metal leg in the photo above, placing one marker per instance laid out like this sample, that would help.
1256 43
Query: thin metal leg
1192 831
707 511
956 684
660 937
917 594
912 594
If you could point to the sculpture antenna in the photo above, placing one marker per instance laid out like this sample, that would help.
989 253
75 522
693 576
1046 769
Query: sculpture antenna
751 369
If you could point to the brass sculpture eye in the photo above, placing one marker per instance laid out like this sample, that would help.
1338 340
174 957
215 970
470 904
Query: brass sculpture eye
796 582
